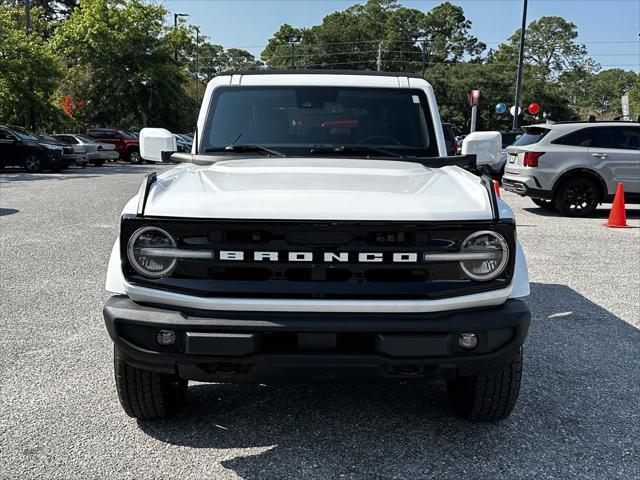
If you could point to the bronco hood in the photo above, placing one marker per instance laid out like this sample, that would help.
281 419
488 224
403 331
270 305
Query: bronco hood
318 189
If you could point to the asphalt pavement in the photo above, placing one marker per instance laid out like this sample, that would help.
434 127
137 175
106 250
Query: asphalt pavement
578 416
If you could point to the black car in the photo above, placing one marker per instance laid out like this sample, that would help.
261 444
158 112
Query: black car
68 153
21 148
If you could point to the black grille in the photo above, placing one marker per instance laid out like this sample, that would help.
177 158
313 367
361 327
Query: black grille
319 279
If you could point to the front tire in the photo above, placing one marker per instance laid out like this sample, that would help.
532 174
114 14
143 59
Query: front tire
147 395
98 163
577 197
487 397
134 157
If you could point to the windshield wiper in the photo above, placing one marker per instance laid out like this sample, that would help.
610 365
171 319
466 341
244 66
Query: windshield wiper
357 149
244 149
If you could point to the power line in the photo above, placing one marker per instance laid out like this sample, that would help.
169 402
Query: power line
354 42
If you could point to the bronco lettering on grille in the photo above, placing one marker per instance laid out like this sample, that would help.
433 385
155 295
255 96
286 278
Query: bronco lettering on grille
318 257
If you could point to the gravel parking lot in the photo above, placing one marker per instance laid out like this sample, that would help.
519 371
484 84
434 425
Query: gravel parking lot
577 417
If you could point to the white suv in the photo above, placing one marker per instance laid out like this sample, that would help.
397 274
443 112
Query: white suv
318 232
574 166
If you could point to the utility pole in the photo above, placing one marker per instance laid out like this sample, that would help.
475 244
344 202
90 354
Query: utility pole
197 64
423 48
30 114
520 65
379 61
175 29
293 40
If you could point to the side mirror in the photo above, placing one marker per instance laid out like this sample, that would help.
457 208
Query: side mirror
485 146
155 141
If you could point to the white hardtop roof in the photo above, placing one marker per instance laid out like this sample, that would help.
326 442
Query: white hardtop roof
321 78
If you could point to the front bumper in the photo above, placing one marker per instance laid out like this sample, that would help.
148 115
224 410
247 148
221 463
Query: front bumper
272 347
102 155
80 159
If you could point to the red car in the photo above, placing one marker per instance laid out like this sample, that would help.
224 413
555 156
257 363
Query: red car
127 145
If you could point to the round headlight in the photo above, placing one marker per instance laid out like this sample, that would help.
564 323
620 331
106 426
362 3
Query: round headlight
488 255
145 254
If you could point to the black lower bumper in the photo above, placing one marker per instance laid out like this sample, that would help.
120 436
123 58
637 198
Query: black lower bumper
271 347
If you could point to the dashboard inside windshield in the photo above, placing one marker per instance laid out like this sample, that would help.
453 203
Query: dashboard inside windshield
295 119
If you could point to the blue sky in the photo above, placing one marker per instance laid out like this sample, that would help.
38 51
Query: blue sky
609 28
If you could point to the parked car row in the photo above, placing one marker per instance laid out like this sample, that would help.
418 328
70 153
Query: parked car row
22 148
93 151
19 147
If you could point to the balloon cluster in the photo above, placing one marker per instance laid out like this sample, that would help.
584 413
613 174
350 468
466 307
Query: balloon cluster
533 108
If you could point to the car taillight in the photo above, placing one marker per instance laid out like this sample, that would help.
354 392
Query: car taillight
531 158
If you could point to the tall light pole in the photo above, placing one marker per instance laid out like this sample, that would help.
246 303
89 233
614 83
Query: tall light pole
516 112
30 114
175 28
293 40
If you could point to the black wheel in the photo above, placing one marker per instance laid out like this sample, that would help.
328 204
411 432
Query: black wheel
147 395
33 164
488 397
544 204
98 163
577 197
134 157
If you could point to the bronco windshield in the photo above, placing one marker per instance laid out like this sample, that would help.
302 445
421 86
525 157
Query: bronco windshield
300 120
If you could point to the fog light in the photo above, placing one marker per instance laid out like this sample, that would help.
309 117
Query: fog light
166 337
468 340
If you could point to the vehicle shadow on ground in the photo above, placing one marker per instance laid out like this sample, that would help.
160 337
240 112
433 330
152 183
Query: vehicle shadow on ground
633 212
576 418
12 175
7 211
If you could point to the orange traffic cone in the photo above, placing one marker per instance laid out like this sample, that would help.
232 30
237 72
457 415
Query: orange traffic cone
618 216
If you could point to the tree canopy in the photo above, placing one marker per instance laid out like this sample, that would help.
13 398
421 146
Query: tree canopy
122 62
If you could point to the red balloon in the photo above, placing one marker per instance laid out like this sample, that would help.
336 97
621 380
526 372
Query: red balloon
534 108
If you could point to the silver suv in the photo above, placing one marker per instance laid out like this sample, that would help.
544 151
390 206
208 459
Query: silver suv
574 166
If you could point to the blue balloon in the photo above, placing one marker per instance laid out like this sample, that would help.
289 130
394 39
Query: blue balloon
501 108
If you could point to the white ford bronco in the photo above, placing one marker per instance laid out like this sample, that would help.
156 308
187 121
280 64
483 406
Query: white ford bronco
317 232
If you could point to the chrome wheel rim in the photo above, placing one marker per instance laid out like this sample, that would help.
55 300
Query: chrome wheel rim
32 163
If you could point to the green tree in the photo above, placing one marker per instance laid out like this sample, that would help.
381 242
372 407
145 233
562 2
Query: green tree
550 46
350 39
603 92
119 59
277 53
28 71
634 98
446 31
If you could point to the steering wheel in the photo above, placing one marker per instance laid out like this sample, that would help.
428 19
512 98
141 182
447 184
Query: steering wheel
367 141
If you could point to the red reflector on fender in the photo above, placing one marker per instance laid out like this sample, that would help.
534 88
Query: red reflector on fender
496 188
531 158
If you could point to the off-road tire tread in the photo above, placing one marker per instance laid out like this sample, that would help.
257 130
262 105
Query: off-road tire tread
144 394
487 397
